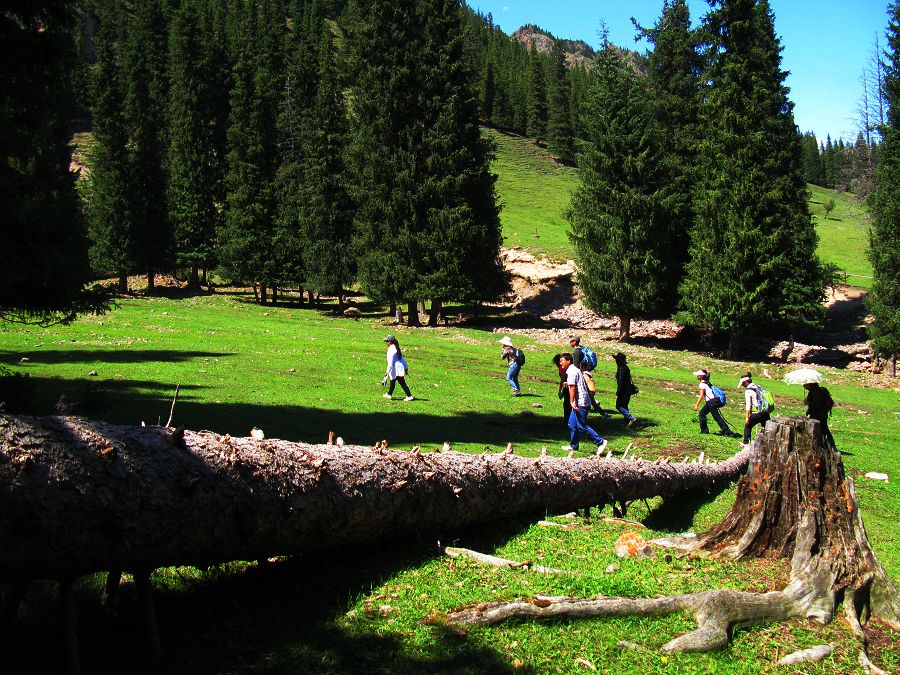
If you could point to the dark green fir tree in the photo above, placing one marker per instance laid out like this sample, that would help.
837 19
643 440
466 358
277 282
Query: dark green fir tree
621 213
884 237
560 137
537 96
753 265
45 261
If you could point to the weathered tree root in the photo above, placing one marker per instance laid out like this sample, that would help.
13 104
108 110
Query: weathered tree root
794 501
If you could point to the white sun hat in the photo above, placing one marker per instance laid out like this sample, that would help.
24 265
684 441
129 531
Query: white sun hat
506 342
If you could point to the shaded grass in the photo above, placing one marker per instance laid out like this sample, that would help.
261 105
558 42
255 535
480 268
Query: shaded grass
362 609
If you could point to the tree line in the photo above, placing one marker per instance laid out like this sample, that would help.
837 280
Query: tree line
314 144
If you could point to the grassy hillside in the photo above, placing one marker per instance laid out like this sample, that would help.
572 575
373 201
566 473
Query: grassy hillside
298 374
535 191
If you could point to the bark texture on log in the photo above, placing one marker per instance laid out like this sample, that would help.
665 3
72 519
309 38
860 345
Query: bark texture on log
78 497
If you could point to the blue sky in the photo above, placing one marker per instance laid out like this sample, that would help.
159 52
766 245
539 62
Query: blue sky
826 44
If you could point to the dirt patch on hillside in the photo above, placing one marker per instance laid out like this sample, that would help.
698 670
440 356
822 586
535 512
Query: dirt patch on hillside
547 290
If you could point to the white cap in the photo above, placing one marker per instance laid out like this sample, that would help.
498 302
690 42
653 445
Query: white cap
744 380
699 372
505 341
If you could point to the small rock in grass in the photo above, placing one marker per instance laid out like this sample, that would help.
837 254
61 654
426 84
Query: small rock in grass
632 545
537 405
93 373
625 644
875 475
612 569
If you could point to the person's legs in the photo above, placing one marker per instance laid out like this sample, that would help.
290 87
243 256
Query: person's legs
704 411
622 407
592 435
402 381
755 418
714 406
391 388
573 429
512 376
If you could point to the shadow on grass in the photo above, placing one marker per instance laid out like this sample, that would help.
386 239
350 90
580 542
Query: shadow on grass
401 423
108 356
280 617
676 513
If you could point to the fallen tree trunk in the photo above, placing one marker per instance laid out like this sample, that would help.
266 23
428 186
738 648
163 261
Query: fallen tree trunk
794 502
78 497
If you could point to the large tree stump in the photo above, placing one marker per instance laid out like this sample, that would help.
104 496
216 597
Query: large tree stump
79 497
794 502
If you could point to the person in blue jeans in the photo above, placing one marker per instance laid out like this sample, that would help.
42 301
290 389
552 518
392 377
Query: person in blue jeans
580 399
516 360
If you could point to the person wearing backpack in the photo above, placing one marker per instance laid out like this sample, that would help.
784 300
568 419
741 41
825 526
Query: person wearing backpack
757 409
516 359
625 388
713 398
818 407
580 354
397 368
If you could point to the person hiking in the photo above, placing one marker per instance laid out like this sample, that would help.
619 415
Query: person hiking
516 359
580 400
580 353
756 408
711 405
625 388
591 386
818 407
577 355
563 390
397 368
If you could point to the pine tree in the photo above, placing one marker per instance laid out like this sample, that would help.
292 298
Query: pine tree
559 127
193 164
248 246
753 264
45 262
813 172
109 192
673 73
146 97
537 96
427 223
884 237
622 211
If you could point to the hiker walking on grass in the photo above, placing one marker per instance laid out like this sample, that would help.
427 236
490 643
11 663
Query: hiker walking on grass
757 409
712 401
818 407
563 391
397 368
580 400
625 388
516 359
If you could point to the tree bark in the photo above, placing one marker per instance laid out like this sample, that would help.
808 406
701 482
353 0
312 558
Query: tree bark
79 497
734 345
123 282
437 308
151 281
412 318
624 327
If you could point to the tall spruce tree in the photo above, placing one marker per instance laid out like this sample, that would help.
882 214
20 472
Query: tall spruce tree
146 99
621 214
109 191
247 247
45 262
673 74
884 237
753 264
427 223
193 164
537 96
560 138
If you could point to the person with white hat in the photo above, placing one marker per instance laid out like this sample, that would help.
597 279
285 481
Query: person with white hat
397 368
516 359
755 408
711 405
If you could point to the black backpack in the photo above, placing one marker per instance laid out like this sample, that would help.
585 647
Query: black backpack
519 356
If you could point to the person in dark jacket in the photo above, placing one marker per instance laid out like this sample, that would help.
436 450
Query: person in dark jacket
818 406
624 388
577 355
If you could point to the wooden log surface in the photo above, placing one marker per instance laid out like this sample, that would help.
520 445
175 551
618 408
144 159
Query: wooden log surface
77 497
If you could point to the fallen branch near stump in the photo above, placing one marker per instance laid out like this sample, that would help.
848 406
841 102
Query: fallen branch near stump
794 502
494 561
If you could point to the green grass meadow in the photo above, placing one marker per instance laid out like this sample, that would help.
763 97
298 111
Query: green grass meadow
300 373
535 191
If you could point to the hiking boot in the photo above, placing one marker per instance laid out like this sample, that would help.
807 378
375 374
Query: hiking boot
388 396
408 398
517 393
602 447
631 422
567 447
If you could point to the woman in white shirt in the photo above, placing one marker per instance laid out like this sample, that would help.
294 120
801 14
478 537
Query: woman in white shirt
396 369
711 405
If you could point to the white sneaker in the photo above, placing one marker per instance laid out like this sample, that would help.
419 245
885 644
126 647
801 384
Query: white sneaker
566 447
602 446
388 396
408 398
